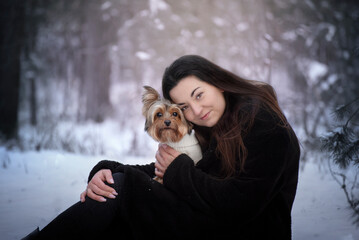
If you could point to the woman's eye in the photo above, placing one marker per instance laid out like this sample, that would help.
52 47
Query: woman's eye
199 96
159 114
184 108
175 114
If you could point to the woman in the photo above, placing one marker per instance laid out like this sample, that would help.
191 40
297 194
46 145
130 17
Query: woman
244 186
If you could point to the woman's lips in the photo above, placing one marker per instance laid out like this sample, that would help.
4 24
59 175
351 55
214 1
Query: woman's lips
205 116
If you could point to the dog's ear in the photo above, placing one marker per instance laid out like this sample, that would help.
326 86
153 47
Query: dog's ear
147 125
149 97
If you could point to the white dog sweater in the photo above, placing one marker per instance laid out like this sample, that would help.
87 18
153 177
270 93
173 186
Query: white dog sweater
188 145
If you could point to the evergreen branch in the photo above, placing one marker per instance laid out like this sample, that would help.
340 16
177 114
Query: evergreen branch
354 185
350 199
351 102
343 110
351 117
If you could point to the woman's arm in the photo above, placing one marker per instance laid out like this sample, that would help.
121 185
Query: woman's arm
102 172
244 195
115 167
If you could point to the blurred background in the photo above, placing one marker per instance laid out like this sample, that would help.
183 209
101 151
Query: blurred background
71 72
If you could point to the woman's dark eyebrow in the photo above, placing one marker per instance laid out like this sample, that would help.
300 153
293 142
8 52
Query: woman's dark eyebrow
194 91
179 104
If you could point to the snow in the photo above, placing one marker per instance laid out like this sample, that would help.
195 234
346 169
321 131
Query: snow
143 55
199 34
220 22
289 35
331 31
316 70
37 186
106 5
157 5
320 209
332 79
159 24
241 27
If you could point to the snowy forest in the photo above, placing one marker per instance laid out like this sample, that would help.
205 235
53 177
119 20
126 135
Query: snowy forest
72 74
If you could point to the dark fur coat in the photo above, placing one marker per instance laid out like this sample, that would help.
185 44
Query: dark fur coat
194 202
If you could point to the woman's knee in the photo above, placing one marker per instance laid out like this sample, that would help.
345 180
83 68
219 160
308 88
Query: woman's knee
118 181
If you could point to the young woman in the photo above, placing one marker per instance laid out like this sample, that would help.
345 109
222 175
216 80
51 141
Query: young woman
244 186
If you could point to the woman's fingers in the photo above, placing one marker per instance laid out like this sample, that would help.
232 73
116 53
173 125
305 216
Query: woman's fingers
159 173
103 187
102 190
82 196
107 174
159 167
165 154
94 196
170 151
97 189
160 163
99 179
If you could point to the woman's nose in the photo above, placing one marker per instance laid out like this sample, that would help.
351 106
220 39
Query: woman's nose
196 109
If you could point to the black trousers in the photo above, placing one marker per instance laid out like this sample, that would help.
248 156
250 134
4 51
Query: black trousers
88 220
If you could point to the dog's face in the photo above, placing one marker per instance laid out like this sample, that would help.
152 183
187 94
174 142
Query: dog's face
165 121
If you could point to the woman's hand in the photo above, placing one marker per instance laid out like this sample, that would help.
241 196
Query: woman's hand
97 189
164 156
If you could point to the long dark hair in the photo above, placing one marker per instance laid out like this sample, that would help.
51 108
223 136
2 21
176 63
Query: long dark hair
243 100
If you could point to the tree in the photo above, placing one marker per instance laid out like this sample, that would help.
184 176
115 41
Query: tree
318 40
12 30
342 144
96 79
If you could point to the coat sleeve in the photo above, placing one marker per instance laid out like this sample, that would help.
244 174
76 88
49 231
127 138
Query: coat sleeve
115 167
245 195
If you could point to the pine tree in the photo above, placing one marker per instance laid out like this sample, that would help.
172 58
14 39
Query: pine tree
342 143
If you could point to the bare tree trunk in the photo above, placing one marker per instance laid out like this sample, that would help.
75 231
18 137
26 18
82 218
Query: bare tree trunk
11 32
97 66
33 102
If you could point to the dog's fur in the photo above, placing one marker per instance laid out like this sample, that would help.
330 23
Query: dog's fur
166 123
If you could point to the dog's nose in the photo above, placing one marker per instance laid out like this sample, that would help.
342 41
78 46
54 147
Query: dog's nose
168 123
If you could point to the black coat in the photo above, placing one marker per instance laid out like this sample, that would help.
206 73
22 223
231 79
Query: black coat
194 202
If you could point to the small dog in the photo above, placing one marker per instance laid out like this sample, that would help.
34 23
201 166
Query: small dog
166 123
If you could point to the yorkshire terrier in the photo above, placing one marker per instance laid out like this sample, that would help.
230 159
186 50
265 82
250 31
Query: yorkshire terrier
166 123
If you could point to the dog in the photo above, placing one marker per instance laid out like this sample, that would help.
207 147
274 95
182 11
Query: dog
165 123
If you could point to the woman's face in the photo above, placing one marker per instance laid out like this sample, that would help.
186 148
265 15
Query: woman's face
202 104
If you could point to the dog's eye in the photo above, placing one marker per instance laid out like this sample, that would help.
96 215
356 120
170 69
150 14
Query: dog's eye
175 114
159 114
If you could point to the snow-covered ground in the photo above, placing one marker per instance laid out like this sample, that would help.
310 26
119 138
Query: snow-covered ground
36 186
